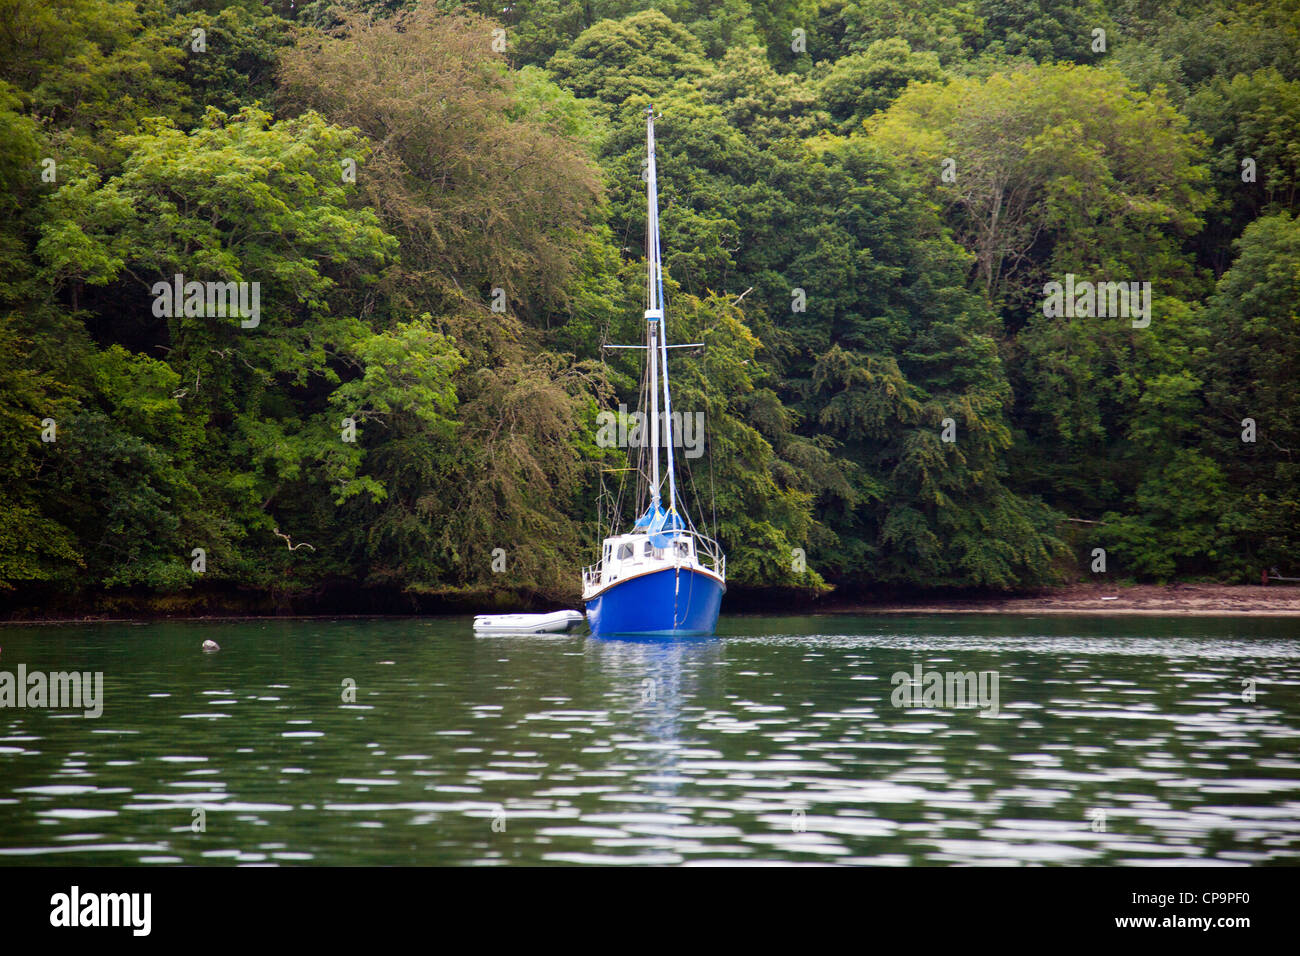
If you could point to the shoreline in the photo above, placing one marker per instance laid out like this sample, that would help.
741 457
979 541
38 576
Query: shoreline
1174 600
1030 611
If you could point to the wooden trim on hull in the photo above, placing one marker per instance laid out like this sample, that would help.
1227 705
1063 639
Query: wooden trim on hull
641 574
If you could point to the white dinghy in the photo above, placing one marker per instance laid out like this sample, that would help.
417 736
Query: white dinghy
552 623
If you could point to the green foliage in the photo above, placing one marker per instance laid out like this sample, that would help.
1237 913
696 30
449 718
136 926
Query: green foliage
1179 524
1056 169
642 55
19 187
860 84
121 497
755 463
474 169
1046 30
239 199
444 233
33 547
949 29
1254 125
91 69
1218 39
237 66
1250 373
407 374
761 103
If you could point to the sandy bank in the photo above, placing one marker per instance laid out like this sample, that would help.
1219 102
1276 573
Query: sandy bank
1175 599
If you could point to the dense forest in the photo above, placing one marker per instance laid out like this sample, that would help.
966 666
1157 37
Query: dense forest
994 294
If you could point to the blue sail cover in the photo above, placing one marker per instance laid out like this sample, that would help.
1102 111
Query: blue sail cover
660 525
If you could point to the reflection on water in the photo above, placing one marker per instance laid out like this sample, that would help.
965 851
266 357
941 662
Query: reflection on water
1135 741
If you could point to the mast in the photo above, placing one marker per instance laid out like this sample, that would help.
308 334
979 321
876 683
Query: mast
651 355
655 319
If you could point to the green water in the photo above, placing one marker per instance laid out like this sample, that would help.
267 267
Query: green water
1122 741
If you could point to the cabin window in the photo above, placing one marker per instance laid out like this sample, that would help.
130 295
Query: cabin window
624 551
649 549
683 549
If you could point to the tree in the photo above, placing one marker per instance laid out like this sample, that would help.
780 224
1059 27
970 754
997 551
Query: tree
33 546
949 29
1053 169
861 84
1047 30
480 193
93 69
761 103
1250 373
236 67
644 54
244 200
1254 125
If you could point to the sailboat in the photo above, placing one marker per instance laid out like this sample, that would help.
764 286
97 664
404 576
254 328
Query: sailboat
662 577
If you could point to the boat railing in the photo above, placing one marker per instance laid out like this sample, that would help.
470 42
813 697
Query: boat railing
707 551
706 547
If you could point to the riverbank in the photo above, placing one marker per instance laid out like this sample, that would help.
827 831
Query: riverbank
1172 599
1164 600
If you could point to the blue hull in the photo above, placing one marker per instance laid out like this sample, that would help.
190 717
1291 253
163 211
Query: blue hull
666 602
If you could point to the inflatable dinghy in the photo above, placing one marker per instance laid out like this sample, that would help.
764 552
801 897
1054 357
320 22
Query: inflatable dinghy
552 623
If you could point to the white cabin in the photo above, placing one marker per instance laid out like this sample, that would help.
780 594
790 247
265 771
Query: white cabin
627 555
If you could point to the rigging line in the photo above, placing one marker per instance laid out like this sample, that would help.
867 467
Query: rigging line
699 502
643 408
616 522
615 501
600 498
640 457
708 440
607 499
616 517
